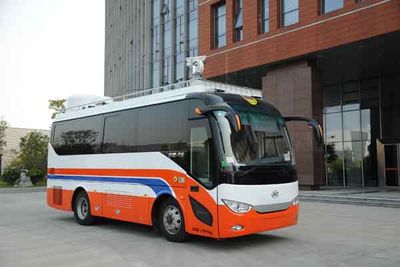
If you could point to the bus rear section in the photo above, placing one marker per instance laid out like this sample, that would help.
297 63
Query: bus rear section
203 163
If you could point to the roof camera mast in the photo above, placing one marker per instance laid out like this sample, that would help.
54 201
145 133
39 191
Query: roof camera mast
197 65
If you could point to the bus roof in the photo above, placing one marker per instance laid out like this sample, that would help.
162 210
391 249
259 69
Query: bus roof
153 96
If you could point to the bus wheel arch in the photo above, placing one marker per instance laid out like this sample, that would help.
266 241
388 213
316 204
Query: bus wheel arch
74 195
157 209
81 207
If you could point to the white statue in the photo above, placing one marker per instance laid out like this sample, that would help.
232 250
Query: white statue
24 179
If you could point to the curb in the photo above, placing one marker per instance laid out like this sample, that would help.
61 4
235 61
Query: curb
22 190
352 200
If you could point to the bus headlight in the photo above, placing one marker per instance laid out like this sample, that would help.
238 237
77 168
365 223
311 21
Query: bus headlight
237 206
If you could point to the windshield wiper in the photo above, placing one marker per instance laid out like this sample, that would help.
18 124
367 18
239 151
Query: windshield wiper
246 172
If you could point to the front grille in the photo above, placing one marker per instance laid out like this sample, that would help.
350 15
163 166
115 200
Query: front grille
272 207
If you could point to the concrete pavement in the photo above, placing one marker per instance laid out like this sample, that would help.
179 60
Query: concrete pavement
359 196
32 234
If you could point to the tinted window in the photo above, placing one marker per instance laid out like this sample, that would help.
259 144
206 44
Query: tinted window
163 128
79 136
201 152
119 132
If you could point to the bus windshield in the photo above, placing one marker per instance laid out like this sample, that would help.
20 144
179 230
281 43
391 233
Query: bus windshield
262 140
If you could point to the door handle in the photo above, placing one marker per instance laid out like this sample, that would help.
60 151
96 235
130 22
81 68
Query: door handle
194 188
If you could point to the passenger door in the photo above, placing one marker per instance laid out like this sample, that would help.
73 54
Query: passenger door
201 167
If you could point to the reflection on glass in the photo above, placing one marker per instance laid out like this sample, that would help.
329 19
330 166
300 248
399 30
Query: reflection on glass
220 25
366 124
352 163
369 164
351 96
334 160
200 143
331 5
332 99
370 94
265 15
291 18
333 127
290 12
351 126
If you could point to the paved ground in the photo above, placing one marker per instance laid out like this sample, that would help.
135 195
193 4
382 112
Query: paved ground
328 235
379 197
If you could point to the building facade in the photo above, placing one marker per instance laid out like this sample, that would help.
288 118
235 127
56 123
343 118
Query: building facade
13 137
334 60
147 42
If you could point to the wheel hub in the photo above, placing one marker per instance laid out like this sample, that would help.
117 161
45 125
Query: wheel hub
172 220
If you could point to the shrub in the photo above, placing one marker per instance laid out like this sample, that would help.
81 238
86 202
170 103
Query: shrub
35 175
10 174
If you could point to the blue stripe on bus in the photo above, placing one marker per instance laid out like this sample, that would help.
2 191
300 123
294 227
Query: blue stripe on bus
157 185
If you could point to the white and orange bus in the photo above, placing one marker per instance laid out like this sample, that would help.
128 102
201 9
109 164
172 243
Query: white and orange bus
197 157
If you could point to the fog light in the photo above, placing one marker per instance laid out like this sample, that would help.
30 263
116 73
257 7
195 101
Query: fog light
237 227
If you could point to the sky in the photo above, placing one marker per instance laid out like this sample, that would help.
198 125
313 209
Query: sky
49 49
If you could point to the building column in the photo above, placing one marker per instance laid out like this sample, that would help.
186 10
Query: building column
294 88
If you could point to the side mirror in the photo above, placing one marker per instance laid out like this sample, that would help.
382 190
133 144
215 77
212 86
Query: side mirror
232 117
317 129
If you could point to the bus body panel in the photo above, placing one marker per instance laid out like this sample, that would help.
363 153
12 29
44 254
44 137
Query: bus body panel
267 212
125 186
122 191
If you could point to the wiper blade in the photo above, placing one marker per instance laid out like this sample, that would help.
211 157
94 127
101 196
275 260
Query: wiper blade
246 172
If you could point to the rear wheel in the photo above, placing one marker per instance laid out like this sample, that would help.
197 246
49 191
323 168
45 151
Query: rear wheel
82 212
171 221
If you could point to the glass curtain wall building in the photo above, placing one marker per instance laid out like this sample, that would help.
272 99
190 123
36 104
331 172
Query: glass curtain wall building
174 26
147 42
358 115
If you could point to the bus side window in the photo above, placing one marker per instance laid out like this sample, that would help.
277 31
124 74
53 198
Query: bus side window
201 152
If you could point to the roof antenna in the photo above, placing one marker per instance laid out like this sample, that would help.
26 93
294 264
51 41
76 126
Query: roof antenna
197 65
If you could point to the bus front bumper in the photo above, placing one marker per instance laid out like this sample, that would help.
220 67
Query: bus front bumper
233 224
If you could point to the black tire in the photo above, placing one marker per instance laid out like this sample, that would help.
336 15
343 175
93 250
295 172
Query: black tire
82 212
173 229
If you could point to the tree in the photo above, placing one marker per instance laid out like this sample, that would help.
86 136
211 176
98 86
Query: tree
3 143
33 154
57 105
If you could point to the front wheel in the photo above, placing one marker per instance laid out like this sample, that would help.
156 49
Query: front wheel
171 221
82 212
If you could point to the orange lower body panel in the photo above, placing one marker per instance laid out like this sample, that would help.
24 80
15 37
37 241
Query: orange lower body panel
254 222
138 210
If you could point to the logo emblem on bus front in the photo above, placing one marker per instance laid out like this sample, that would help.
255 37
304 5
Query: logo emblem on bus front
275 194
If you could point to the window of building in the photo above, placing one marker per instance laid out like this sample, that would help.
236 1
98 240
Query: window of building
192 15
220 25
290 12
155 42
192 27
331 5
238 22
179 40
166 77
351 123
264 16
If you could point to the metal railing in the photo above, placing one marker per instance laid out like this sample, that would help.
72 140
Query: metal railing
211 85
